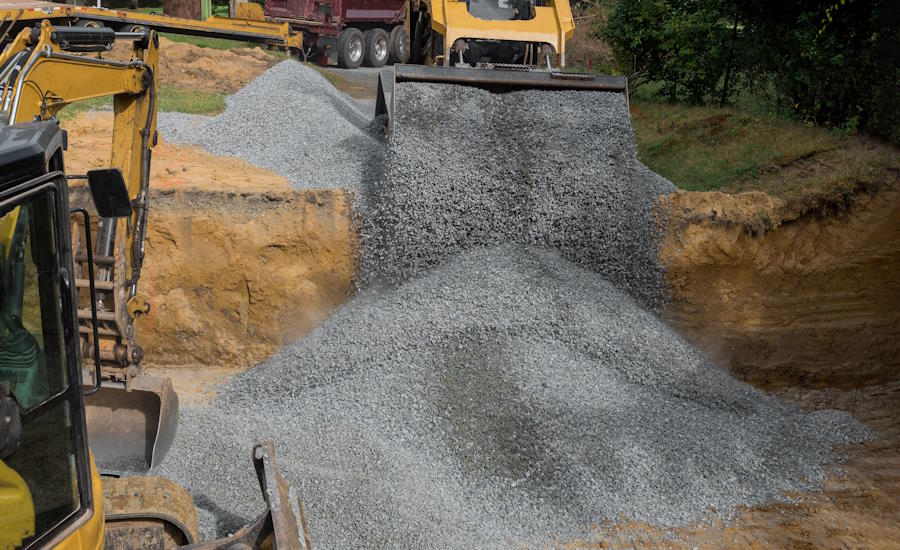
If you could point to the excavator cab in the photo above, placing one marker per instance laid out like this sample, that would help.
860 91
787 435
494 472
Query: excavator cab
131 416
51 492
46 485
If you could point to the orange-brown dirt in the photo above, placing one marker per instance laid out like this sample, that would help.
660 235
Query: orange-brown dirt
237 263
789 292
172 166
191 67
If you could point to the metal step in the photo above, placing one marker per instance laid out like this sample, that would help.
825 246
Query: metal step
101 315
99 260
99 285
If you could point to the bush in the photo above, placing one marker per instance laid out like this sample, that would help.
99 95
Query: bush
833 63
830 62
684 44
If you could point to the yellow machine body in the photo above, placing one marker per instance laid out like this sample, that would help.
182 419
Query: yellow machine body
125 412
89 534
552 25
133 418
248 26
16 509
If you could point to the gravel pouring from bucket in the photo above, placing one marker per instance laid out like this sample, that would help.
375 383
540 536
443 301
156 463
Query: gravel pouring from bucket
493 79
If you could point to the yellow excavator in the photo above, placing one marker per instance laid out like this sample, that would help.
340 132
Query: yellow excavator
68 293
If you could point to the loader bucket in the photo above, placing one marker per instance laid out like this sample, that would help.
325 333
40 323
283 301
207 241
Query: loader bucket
130 430
275 528
491 79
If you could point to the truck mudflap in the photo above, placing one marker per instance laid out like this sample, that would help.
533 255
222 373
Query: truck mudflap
277 527
493 79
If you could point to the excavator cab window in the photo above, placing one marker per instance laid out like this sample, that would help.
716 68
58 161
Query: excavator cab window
35 370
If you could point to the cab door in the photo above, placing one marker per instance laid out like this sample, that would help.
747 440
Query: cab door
39 365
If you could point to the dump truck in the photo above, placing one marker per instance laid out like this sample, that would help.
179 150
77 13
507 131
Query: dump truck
67 297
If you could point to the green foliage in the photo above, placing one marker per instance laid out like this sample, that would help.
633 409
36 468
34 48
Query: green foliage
684 44
833 63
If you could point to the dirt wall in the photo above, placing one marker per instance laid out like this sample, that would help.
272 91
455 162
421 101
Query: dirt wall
803 292
233 276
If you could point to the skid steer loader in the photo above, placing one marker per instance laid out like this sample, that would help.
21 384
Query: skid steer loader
62 304
498 45
497 32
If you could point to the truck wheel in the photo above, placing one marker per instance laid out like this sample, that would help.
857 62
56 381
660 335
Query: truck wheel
350 48
88 24
132 27
399 45
378 47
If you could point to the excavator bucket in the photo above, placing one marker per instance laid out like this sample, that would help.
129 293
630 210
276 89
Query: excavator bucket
130 429
492 79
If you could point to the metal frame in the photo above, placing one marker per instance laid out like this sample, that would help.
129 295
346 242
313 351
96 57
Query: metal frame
55 183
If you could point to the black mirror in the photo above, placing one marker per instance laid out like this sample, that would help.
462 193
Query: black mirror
109 192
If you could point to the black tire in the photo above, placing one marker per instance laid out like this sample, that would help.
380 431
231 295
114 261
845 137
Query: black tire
89 24
350 48
378 48
132 27
399 45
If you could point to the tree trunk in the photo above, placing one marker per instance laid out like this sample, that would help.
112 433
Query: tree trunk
730 59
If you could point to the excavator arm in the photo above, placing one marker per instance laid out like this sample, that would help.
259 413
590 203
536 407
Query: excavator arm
132 417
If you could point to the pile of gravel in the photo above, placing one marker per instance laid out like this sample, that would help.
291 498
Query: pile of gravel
509 385
558 169
293 121
508 396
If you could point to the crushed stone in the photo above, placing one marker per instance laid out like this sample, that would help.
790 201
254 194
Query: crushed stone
507 397
510 384
557 169
291 120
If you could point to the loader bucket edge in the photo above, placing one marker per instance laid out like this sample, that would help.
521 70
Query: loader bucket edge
494 80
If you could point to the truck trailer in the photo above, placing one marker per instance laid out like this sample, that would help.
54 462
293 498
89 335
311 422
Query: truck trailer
349 33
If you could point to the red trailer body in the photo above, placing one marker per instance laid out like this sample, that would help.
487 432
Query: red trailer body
333 26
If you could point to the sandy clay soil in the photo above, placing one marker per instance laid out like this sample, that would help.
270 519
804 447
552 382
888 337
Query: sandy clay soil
798 297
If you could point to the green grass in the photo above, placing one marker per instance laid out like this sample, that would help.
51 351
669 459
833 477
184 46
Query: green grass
710 148
190 101
169 98
71 111
205 42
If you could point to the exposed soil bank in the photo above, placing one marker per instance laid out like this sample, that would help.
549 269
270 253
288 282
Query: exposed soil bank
231 277
782 293
237 264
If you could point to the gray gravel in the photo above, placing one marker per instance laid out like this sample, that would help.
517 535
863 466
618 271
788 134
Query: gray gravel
467 168
508 396
509 385
291 120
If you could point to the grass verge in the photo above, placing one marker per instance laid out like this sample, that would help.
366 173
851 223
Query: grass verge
711 148
169 98
206 42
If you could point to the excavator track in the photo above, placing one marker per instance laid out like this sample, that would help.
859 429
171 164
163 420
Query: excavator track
147 512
